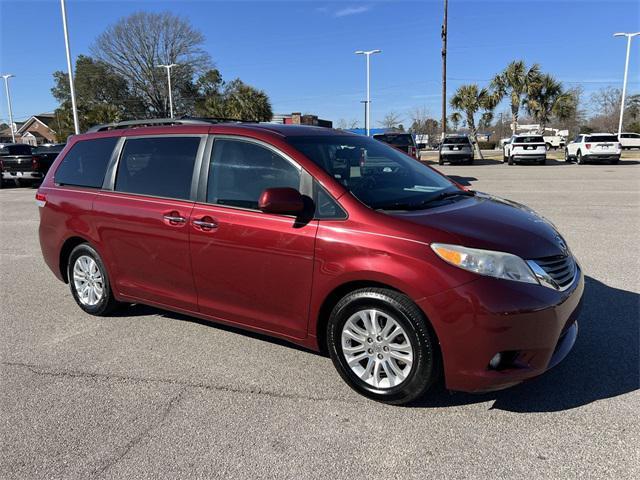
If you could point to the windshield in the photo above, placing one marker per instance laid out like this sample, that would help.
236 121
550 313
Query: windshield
602 138
456 141
528 140
395 139
378 175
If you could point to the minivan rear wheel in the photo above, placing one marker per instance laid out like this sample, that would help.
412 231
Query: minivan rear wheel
89 281
382 346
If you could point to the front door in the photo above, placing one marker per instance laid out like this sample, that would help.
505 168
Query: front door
143 223
249 267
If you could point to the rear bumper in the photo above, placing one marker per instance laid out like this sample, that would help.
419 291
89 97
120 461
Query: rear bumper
529 158
533 326
456 156
590 157
22 176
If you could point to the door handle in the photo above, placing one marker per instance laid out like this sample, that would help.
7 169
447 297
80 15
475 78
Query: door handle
175 218
205 224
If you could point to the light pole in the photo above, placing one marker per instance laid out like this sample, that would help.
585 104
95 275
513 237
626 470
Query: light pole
169 67
72 90
626 71
367 118
6 89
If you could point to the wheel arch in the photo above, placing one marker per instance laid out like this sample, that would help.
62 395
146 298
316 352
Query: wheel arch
340 291
65 252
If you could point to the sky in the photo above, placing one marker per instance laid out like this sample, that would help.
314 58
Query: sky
302 52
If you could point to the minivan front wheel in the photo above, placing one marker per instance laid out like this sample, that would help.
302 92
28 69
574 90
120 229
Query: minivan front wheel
89 282
381 345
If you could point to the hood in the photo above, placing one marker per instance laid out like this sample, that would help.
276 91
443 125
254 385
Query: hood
493 223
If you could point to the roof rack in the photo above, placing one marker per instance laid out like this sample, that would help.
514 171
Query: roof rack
153 122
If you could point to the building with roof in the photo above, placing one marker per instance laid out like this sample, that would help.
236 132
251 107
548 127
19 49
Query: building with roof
37 130
298 118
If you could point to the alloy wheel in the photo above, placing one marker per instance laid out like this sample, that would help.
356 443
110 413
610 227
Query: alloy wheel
88 280
377 348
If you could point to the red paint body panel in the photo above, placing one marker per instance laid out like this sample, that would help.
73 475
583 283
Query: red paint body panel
267 273
254 269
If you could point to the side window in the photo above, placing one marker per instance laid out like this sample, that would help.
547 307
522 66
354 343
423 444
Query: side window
326 206
240 171
578 139
158 166
85 164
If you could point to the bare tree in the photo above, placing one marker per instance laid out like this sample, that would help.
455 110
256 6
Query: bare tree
345 124
391 120
134 47
606 103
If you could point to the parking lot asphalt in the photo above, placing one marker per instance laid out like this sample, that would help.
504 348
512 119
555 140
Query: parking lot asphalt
152 394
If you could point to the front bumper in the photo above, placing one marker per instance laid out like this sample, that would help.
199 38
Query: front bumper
534 326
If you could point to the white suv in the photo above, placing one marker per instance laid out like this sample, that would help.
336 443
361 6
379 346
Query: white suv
593 147
629 140
528 148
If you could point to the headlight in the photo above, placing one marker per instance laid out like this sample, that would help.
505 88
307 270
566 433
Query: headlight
486 262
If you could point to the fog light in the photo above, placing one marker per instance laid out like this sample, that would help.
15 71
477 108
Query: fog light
495 361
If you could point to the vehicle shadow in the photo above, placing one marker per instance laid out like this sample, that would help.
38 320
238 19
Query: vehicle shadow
464 181
604 362
140 310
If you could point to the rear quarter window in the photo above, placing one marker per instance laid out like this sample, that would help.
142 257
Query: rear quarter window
86 163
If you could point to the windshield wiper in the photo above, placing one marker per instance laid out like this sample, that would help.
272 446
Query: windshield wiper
424 203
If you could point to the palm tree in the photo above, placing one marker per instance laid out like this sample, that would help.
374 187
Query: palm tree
515 82
469 99
547 99
455 119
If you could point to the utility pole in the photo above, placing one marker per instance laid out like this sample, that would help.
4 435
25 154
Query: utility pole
76 123
169 67
367 120
444 70
6 89
626 71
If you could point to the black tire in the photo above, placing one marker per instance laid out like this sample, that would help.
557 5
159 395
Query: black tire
510 161
542 162
615 161
579 159
425 369
470 161
567 158
440 160
107 302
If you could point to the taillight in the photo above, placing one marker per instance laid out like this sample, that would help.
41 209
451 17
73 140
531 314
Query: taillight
35 164
587 146
41 199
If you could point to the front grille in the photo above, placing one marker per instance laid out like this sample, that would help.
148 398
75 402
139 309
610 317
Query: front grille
561 269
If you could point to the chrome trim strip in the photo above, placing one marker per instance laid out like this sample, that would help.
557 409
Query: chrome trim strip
545 279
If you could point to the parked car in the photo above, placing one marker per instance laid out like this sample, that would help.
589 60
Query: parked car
44 155
629 140
594 147
327 239
17 164
401 141
455 148
525 148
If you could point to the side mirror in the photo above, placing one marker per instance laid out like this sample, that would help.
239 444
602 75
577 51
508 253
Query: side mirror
282 201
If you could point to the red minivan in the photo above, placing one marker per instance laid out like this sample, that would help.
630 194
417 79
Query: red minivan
329 240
